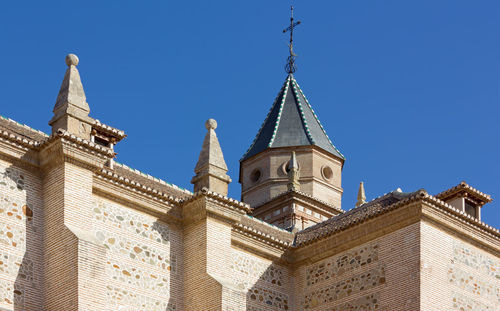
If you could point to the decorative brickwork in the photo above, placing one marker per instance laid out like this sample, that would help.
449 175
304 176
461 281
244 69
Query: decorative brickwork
464 303
473 284
471 258
119 296
79 232
19 243
139 258
133 222
14 266
12 178
13 236
271 300
345 288
11 294
136 250
249 270
338 265
139 278
366 303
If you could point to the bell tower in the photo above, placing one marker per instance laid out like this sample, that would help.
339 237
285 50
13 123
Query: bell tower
292 173
292 128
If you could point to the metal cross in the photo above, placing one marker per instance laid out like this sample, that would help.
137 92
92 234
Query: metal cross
290 66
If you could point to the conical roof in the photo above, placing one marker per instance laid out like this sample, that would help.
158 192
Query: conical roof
291 122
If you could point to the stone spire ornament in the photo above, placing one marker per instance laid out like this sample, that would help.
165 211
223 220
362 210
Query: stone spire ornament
211 169
71 111
361 195
293 173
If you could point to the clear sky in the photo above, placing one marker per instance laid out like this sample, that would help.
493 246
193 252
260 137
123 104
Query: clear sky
408 91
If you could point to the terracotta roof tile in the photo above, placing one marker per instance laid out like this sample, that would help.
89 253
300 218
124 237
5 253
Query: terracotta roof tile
150 181
21 129
351 217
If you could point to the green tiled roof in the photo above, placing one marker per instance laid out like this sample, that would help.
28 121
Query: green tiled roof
291 122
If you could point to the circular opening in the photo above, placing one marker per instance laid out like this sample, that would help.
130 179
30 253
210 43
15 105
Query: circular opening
255 175
285 167
327 172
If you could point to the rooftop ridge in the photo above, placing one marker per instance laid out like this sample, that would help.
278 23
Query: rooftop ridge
150 177
377 209
376 198
25 126
265 120
302 116
316 117
463 214
109 128
109 175
464 185
276 125
300 193
215 195
266 223
291 122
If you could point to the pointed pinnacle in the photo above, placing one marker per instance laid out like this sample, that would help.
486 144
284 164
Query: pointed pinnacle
361 195
71 92
293 162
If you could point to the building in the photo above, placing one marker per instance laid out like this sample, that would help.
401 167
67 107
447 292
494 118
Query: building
82 232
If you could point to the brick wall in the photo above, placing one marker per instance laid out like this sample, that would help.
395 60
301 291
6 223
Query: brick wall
457 275
382 274
142 262
266 285
201 292
20 239
64 247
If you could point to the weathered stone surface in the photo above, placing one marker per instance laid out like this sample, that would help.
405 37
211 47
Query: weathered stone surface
211 169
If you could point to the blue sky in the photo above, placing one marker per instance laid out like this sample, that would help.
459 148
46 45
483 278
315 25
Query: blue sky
407 90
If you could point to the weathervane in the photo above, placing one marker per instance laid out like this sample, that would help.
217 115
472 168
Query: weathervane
290 66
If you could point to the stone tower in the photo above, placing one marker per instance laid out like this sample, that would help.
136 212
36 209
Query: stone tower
291 126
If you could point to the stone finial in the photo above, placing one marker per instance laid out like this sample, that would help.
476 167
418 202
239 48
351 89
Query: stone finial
211 169
71 111
361 195
72 60
210 124
293 173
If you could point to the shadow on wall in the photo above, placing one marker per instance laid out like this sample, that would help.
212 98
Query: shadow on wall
20 239
270 291
174 275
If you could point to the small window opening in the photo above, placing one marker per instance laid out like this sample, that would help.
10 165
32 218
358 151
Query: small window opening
255 176
470 209
101 142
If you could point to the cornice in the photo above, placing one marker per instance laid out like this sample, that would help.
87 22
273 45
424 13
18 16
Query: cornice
353 236
291 194
135 186
81 143
463 186
375 211
108 129
19 155
461 216
261 236
18 140
136 199
219 199
249 243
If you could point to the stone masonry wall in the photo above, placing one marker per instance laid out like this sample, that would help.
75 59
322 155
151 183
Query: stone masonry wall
457 275
266 285
371 276
142 261
20 239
